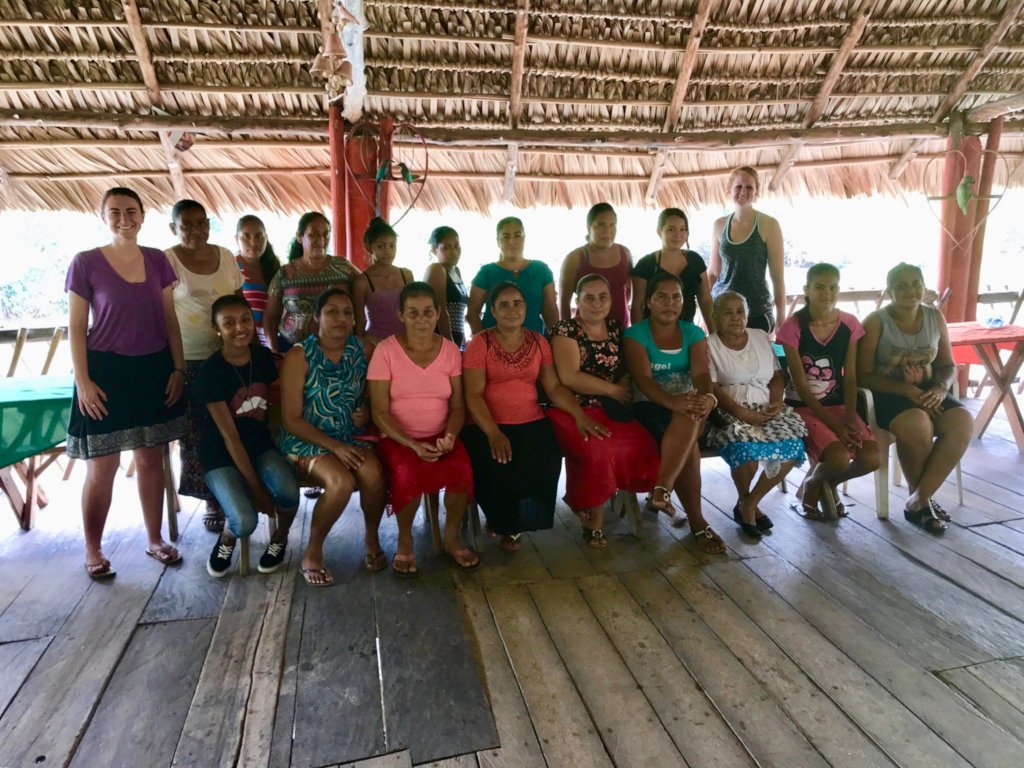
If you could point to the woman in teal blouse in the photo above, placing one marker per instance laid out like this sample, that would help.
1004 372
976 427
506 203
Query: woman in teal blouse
667 359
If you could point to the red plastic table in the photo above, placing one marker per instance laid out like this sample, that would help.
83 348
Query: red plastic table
985 343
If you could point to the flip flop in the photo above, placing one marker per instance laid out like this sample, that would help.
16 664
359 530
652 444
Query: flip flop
510 543
375 562
164 555
465 559
100 571
808 512
408 569
328 579
666 501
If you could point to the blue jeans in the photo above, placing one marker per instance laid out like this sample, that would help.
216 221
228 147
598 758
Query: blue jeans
231 490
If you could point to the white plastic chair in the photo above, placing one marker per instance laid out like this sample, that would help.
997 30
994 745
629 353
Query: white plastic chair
885 438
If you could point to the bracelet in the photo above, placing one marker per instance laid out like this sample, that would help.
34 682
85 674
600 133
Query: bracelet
713 398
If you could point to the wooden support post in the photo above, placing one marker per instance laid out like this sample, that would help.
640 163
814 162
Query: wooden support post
339 188
360 174
510 172
982 207
957 228
385 153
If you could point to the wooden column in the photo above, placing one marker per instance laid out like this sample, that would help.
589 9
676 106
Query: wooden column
982 207
339 189
955 246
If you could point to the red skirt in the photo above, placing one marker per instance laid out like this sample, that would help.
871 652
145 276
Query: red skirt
409 476
595 468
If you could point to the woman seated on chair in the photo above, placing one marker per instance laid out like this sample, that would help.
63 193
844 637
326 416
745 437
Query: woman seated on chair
667 358
415 381
821 353
322 383
588 358
756 426
907 363
241 465
516 459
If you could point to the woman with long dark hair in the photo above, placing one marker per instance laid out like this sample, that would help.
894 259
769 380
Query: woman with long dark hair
258 264
600 256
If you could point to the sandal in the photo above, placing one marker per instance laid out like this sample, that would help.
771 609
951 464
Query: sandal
940 512
594 537
926 519
325 580
709 542
404 565
100 571
213 520
808 512
167 554
666 501
510 543
841 510
374 562
465 559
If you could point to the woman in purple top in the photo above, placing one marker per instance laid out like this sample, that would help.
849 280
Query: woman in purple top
375 292
129 373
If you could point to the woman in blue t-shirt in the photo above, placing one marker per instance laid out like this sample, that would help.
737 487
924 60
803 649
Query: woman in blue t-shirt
241 465
533 278
667 359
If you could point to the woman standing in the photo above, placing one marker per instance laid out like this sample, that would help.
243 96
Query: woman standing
258 264
600 256
588 358
821 353
375 292
322 385
204 272
129 373
534 279
676 259
745 245
907 363
446 280
241 465
757 426
516 460
667 359
293 292
415 381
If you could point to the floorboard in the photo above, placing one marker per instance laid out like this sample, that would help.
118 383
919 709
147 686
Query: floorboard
141 714
17 660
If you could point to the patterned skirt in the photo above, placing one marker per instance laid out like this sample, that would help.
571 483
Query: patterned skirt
136 415
192 482
780 439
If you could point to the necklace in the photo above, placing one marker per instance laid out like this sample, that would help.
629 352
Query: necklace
241 381
906 339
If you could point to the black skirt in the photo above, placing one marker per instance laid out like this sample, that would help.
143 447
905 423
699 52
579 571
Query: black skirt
518 496
136 415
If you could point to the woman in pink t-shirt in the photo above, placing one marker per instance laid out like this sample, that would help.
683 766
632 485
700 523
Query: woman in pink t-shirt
516 459
415 381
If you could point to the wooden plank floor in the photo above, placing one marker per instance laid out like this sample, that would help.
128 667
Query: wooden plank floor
854 643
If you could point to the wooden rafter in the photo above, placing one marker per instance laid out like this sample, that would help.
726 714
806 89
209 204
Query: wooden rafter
993 109
990 46
817 106
156 99
511 161
675 105
515 110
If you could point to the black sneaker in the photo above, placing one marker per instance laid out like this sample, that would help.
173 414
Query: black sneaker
272 558
220 559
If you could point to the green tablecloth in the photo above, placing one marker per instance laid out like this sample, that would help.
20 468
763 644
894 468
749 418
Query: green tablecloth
33 415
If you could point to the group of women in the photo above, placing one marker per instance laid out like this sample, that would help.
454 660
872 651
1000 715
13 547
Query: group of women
380 392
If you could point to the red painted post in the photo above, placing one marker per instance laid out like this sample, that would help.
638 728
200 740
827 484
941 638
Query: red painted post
361 157
957 229
339 190
988 169
384 155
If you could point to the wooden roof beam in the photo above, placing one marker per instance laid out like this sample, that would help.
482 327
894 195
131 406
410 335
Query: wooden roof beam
817 107
675 105
993 109
1010 14
515 109
156 99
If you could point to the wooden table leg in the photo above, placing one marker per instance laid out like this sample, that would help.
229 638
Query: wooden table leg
1002 383
10 488
170 495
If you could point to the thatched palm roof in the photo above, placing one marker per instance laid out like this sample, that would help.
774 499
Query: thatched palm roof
560 102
